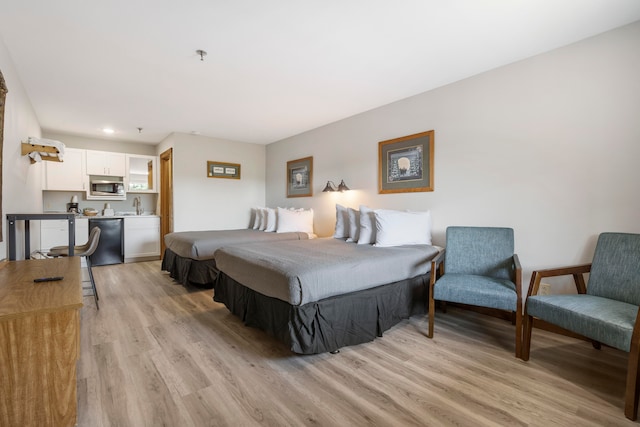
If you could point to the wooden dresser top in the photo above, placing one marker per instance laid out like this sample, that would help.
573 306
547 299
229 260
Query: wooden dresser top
21 296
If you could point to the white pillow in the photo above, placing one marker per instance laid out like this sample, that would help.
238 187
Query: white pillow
271 219
367 226
252 218
300 220
396 228
256 218
354 225
263 219
342 222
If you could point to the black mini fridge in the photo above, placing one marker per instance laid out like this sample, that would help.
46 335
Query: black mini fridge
111 244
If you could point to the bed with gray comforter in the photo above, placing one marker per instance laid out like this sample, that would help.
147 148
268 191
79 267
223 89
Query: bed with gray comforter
189 256
323 294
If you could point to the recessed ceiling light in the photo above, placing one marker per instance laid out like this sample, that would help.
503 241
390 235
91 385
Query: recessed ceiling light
108 131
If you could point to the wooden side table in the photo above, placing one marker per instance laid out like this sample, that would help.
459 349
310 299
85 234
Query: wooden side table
39 342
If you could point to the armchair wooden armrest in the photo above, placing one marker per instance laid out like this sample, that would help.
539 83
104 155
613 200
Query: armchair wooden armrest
577 271
437 270
517 267
437 267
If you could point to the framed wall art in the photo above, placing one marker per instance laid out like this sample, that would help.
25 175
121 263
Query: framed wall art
3 95
300 177
405 164
223 170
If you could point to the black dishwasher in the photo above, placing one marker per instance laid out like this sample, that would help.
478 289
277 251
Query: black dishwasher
111 244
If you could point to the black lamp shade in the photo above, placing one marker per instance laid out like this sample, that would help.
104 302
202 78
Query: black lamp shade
343 186
328 187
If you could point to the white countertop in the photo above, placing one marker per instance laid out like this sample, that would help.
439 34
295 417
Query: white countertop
117 215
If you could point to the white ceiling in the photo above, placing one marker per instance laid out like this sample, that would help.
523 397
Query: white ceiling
274 68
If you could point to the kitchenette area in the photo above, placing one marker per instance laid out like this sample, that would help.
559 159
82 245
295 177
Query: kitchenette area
117 192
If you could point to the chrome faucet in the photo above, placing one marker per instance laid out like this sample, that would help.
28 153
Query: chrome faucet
137 202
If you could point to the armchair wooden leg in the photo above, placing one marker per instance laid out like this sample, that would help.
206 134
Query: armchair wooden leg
432 312
633 385
518 333
526 339
432 308
631 394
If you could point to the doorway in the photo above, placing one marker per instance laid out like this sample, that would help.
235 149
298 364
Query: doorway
166 196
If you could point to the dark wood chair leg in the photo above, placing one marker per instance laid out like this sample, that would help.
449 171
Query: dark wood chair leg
518 321
432 313
633 385
526 338
631 394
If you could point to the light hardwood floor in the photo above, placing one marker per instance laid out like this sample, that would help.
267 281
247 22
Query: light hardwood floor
158 354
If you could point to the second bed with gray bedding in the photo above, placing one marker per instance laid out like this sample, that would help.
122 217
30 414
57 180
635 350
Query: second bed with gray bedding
322 294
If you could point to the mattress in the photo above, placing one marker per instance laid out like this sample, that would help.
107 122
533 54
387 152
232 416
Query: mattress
201 245
300 272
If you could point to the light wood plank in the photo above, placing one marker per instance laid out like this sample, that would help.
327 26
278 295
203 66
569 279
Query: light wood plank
160 354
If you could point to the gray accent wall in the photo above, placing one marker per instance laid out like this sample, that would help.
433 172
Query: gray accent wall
549 146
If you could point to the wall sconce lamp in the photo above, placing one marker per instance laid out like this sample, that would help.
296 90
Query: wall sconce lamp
331 186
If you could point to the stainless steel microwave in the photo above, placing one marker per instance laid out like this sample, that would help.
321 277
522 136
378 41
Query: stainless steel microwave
107 189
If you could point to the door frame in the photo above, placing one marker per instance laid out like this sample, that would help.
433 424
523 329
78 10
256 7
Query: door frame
166 196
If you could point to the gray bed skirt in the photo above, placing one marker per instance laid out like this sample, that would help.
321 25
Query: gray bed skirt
187 271
331 323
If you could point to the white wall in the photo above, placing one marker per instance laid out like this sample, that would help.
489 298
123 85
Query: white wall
21 181
202 203
101 144
549 146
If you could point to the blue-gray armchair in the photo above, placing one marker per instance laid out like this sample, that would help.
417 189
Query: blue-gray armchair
478 267
605 310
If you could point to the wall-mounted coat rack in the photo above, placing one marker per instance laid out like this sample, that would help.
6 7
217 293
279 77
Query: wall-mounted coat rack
44 150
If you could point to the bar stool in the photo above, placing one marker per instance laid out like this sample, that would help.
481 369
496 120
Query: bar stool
86 251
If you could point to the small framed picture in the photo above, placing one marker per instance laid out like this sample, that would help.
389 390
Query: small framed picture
405 164
223 170
300 177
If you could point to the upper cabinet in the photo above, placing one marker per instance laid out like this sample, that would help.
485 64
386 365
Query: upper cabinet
68 175
106 163
142 173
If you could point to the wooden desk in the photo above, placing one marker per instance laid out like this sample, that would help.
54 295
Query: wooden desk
39 342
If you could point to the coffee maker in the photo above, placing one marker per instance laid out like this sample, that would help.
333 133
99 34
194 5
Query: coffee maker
72 207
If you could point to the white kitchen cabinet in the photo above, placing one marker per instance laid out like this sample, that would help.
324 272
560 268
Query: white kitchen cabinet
141 238
56 233
142 174
68 175
105 163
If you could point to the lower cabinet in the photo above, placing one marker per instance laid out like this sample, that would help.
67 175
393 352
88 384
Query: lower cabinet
141 238
55 232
